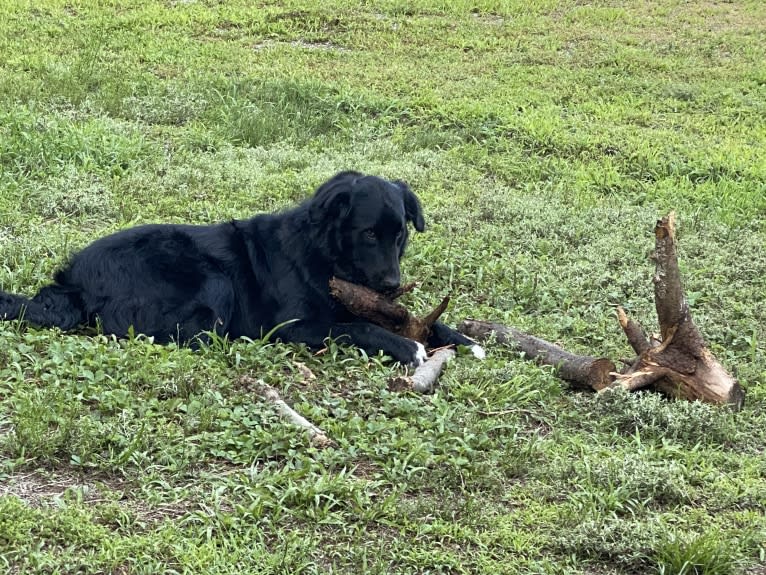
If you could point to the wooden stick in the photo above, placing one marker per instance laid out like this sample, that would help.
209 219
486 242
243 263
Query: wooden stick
424 377
369 304
317 436
633 331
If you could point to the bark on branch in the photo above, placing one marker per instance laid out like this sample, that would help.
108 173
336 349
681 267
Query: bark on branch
581 370
384 311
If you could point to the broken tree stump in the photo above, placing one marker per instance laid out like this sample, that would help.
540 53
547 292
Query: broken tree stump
678 364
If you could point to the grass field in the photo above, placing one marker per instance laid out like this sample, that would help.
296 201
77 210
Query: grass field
544 138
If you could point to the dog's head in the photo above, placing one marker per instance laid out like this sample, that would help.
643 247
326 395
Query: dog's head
363 223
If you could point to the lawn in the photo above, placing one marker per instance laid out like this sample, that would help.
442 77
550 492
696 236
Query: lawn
544 138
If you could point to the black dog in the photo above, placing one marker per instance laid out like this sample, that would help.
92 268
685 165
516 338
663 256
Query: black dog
245 277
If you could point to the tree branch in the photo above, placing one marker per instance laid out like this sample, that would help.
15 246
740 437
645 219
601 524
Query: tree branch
581 370
383 311
634 332
423 379
317 436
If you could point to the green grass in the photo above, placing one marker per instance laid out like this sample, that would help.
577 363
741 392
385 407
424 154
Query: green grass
544 139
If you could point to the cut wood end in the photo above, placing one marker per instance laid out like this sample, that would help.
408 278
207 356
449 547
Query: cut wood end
666 227
336 285
321 441
722 382
400 383
478 330
622 317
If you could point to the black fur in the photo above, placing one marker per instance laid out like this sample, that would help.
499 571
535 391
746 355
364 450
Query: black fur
244 277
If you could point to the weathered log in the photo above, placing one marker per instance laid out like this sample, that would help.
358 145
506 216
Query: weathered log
383 311
581 370
424 378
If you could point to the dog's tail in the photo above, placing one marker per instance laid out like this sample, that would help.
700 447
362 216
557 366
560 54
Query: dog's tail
53 306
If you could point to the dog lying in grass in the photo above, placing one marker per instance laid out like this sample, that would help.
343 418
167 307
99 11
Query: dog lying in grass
246 277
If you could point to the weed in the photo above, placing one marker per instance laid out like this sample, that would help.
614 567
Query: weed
709 553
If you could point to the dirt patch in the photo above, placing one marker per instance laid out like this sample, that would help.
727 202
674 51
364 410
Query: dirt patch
42 488
489 18
39 488
728 16
46 488
303 44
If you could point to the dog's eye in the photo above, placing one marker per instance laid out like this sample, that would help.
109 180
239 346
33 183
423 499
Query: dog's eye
370 235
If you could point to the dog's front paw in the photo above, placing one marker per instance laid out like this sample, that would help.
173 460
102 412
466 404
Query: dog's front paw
420 356
408 352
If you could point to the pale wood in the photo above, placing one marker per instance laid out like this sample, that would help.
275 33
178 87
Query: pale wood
318 437
424 378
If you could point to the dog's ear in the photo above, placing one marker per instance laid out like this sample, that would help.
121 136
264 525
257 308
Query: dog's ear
412 209
333 198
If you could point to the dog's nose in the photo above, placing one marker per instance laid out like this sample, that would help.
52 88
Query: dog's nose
389 283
